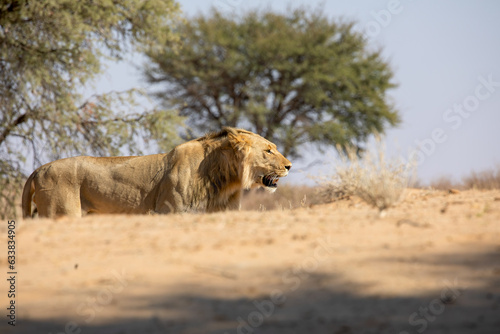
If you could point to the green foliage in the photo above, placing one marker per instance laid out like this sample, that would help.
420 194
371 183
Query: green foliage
292 78
48 51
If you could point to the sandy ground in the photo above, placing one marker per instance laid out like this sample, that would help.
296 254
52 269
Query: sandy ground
431 265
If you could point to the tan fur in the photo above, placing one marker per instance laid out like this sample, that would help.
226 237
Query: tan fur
205 174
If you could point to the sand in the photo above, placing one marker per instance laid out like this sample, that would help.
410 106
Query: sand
431 264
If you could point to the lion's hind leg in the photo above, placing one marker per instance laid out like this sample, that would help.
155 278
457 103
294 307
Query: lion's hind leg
52 204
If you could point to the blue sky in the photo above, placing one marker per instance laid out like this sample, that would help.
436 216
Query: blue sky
446 59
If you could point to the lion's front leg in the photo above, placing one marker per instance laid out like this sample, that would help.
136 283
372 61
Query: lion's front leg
169 201
217 205
234 201
170 205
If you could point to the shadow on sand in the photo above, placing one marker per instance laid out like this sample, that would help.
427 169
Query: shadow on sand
316 303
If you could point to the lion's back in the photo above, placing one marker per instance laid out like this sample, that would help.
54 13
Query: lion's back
57 172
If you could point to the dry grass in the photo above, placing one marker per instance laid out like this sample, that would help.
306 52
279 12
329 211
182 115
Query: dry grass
441 183
285 197
486 180
10 200
376 180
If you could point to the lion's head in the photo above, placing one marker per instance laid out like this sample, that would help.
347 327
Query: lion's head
262 163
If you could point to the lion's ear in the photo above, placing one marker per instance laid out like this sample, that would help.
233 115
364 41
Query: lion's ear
238 143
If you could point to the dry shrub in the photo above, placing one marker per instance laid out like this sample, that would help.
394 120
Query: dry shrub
444 183
373 178
286 197
486 180
10 196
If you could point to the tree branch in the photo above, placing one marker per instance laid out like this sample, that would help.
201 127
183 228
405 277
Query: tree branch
19 120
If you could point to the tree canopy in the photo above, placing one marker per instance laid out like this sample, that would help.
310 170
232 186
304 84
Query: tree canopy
49 50
293 78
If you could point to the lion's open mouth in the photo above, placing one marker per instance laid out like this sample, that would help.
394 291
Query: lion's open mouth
270 181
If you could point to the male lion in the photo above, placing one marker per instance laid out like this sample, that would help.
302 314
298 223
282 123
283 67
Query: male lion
207 173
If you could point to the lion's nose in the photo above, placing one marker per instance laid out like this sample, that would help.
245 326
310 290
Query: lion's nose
288 167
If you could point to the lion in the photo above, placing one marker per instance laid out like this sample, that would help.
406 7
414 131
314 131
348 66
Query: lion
206 174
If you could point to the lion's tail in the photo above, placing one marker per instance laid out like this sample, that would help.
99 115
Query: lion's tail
29 189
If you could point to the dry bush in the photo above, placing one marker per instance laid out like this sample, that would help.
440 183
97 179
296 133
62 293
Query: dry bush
485 180
285 197
10 196
444 183
373 178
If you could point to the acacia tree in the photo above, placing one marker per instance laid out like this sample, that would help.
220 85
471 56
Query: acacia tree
49 50
293 78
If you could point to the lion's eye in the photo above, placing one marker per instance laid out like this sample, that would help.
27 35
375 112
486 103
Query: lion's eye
269 151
